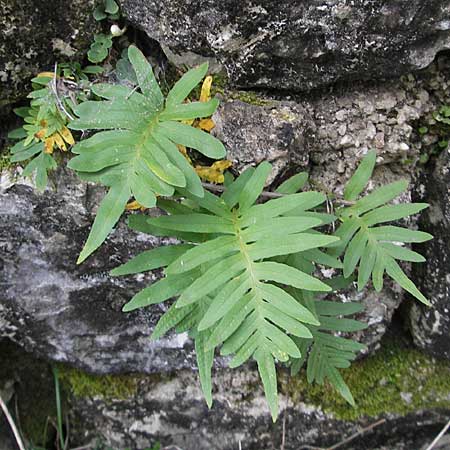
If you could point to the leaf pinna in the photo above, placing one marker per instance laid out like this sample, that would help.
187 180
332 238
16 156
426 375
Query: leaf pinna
135 153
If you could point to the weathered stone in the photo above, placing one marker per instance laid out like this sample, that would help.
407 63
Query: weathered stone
299 45
135 411
430 327
330 134
277 132
35 35
171 409
379 308
72 313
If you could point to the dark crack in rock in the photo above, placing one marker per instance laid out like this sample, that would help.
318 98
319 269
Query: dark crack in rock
296 45
430 327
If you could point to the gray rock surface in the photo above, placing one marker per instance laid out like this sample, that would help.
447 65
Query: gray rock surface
430 327
278 132
298 45
329 134
71 313
36 34
172 411
135 411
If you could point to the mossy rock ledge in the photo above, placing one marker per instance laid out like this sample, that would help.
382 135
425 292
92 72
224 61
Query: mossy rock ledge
400 386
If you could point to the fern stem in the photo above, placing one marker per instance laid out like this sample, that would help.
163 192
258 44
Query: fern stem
267 194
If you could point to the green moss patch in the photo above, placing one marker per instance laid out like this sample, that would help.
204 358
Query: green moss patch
82 384
397 379
250 97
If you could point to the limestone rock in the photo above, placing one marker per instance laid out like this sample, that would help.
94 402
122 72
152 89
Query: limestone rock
171 410
431 326
298 45
35 35
135 411
71 313
278 132
328 135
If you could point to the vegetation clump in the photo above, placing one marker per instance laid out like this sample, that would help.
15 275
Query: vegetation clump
248 267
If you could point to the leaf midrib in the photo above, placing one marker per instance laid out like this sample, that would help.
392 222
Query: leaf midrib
249 267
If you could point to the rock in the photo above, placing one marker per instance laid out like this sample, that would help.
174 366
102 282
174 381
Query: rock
71 313
171 409
328 135
379 308
430 327
294 45
135 411
384 116
35 35
278 132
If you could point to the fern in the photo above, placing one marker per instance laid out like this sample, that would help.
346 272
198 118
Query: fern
370 245
136 153
44 128
325 352
244 274
244 278
229 286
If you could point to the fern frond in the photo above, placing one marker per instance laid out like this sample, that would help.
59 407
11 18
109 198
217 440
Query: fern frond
369 244
326 353
136 153
229 287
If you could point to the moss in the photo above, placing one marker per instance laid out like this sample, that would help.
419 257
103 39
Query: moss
82 384
219 84
397 379
249 97
5 162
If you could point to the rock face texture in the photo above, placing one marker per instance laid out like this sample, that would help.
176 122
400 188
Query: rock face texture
328 135
173 412
431 326
279 132
337 50
47 301
298 45
36 34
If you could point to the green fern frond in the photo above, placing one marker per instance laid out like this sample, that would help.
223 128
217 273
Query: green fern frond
229 287
370 245
326 353
136 153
